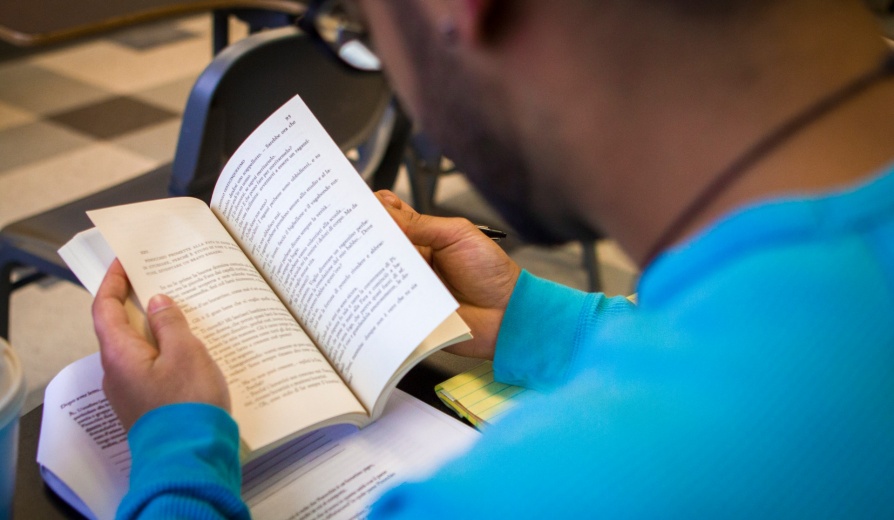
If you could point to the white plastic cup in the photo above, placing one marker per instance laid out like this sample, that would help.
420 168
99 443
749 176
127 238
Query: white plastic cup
12 396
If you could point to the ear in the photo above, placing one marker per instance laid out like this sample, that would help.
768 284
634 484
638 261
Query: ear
472 19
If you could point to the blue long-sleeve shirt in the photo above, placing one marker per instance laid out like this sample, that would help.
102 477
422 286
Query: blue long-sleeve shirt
755 378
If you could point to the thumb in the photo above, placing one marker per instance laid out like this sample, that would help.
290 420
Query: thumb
167 321
437 232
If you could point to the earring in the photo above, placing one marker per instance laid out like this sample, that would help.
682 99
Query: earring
449 31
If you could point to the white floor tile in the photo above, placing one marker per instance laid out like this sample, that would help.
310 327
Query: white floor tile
157 142
171 96
198 24
125 70
11 116
43 185
28 86
50 327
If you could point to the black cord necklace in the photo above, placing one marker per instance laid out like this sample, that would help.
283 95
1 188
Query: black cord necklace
766 145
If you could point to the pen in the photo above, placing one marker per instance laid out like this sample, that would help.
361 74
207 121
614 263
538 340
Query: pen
493 234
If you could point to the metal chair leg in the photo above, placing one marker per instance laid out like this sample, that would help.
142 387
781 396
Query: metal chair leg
220 30
591 265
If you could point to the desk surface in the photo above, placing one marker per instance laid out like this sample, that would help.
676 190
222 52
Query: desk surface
34 500
36 22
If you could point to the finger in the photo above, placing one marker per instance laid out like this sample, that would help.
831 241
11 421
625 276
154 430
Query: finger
168 324
121 346
114 286
390 200
110 320
400 211
407 218
438 233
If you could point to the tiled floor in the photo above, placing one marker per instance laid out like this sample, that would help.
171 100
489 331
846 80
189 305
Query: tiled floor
82 116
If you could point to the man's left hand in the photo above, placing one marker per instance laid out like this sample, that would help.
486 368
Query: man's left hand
140 377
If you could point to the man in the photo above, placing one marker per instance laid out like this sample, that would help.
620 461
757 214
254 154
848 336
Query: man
739 150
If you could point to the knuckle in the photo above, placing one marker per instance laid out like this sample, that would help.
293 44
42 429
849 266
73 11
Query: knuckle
416 219
166 319
461 227
112 360
461 222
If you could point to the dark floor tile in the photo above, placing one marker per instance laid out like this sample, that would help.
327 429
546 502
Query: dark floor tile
35 89
10 51
145 37
113 117
32 142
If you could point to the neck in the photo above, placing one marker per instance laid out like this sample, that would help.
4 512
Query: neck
677 122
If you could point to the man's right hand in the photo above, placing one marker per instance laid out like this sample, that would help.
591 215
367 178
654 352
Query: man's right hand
478 273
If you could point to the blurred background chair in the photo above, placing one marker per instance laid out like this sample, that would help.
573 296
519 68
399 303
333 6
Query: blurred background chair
243 85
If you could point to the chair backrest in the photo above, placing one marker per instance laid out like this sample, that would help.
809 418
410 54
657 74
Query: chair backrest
248 81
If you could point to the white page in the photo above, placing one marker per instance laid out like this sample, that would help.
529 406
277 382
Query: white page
95 465
89 257
299 480
329 249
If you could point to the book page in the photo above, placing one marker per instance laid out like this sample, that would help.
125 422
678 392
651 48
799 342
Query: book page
82 443
279 382
339 472
88 257
329 249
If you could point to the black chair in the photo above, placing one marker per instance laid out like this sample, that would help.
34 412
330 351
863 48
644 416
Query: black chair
242 86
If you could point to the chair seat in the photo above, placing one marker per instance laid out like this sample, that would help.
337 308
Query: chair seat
35 240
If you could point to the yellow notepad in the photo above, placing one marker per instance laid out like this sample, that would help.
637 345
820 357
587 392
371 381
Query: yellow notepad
475 396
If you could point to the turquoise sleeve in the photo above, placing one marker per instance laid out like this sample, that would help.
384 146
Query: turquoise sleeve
545 326
185 464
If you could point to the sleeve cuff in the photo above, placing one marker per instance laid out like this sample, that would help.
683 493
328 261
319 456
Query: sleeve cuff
538 334
545 328
182 454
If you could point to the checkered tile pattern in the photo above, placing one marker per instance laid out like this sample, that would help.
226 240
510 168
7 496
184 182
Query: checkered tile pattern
78 117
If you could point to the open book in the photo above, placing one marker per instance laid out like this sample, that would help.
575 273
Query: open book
306 293
332 473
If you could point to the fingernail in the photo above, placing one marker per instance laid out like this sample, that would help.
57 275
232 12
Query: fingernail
390 198
159 302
